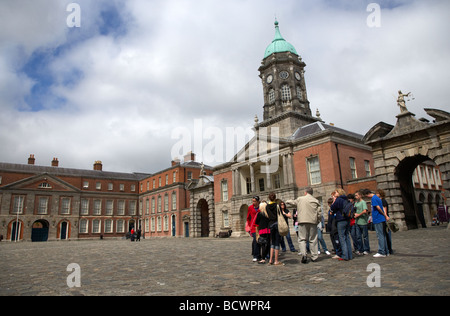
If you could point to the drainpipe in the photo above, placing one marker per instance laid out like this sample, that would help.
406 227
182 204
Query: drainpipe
339 164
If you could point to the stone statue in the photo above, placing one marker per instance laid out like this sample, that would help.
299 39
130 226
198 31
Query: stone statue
401 101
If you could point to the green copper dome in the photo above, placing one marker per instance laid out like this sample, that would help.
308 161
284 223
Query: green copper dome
279 44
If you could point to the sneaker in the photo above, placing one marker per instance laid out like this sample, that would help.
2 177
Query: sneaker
365 253
379 255
328 253
255 259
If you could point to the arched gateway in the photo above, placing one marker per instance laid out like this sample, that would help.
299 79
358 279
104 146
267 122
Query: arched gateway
398 150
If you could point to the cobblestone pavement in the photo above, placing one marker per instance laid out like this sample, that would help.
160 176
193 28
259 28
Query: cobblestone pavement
221 267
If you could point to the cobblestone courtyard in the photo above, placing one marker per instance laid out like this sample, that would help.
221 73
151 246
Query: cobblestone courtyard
221 267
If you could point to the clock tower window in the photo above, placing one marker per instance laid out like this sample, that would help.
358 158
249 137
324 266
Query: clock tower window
285 93
271 96
299 93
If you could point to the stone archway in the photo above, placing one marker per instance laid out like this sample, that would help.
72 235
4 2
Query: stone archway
398 150
39 231
203 210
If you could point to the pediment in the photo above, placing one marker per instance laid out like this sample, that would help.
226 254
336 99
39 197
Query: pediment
42 182
260 148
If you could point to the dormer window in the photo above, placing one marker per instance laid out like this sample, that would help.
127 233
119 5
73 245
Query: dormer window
44 185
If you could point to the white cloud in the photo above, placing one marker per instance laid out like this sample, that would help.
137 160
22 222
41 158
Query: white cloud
137 69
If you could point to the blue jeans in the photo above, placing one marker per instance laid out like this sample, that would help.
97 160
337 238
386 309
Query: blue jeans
344 238
256 248
380 229
321 241
362 236
289 240
274 236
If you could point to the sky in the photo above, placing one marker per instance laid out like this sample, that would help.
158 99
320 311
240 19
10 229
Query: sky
138 81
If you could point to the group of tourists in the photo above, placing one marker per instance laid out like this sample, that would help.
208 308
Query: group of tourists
348 225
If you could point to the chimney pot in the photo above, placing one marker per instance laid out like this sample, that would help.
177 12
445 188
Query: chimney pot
55 162
31 159
190 156
98 165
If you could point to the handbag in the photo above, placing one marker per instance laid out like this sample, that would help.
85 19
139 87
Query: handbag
263 240
283 228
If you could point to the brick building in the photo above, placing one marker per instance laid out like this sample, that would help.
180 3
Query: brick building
41 203
291 150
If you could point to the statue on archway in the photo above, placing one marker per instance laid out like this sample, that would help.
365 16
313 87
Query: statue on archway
401 101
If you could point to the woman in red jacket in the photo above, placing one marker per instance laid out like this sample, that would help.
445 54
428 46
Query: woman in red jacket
251 217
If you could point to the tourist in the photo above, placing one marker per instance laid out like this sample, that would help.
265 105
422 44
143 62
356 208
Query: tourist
262 232
251 217
342 223
332 229
361 220
321 241
272 211
351 199
380 193
379 219
286 215
308 208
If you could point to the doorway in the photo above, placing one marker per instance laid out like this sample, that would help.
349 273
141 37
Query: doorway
204 215
39 231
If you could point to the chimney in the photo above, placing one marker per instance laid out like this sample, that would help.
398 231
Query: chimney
55 162
176 161
98 165
190 156
31 160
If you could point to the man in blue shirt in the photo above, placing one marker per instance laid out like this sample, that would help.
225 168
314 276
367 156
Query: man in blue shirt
379 219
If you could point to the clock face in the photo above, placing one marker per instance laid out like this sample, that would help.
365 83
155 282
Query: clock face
297 76
269 79
284 75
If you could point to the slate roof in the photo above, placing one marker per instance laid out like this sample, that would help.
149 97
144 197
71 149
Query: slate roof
58 171
319 127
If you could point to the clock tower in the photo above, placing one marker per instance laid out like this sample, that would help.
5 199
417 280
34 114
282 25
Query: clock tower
282 72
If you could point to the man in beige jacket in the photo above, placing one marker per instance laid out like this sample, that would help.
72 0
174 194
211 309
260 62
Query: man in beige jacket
308 216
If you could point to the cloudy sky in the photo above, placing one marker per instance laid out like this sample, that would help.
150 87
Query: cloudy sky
137 74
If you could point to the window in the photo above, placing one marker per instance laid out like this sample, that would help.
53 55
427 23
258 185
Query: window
166 223
174 177
132 208
271 96
110 186
65 206
43 205
367 167
147 225
276 181
97 207
122 187
154 184
226 222
174 201
120 226
152 224
314 170
44 185
189 175
261 184
83 226
438 177
98 185
159 182
224 190
147 206
108 226
159 204
18 204
299 93
133 188
121 207
166 202
109 207
248 183
84 207
353 167
96 226
285 93
148 185
167 179
153 205
158 223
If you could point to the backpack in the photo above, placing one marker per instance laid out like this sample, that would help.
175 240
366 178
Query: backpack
348 211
